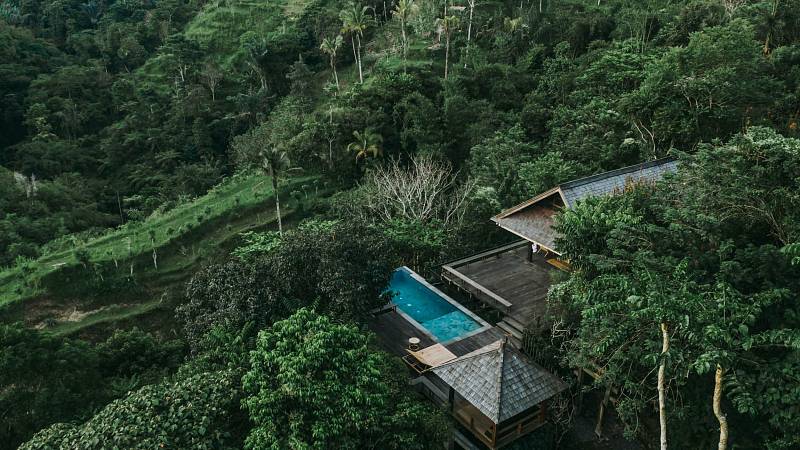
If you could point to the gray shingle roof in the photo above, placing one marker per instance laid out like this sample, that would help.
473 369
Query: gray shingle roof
533 219
499 380
534 224
615 181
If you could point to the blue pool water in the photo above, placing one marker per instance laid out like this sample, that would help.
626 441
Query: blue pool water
440 317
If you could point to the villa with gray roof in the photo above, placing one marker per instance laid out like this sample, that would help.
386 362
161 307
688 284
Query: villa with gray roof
515 278
475 369
498 392
532 220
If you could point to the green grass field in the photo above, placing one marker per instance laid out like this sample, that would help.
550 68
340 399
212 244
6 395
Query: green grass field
186 238
238 193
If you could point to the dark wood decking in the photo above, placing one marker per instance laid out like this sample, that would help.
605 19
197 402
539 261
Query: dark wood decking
506 274
393 331
471 343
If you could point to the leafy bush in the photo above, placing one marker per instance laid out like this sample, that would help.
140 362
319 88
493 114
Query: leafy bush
46 379
199 412
256 244
317 384
339 269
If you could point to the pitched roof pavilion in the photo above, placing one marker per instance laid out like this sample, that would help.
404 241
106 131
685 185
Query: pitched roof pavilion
533 219
499 380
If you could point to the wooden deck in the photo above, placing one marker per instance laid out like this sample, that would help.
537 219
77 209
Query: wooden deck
393 331
471 343
504 279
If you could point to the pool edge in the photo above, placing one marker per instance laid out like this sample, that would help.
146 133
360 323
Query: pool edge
484 325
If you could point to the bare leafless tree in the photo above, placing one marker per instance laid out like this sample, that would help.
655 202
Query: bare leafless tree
29 184
423 190
732 5
211 77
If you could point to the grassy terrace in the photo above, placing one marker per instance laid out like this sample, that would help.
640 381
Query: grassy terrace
246 197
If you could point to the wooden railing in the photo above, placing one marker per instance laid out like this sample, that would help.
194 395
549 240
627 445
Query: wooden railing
464 282
485 436
451 273
512 432
498 438
487 254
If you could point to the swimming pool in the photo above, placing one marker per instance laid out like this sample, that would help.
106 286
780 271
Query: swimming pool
430 308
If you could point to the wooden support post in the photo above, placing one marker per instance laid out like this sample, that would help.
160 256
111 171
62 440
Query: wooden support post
579 402
598 430
451 398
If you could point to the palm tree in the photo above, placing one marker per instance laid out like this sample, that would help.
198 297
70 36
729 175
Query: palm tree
330 47
771 25
404 10
448 24
366 143
355 22
257 149
275 163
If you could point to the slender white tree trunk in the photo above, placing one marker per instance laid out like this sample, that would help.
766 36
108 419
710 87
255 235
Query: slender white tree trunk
277 199
355 54
446 52
662 400
469 32
360 73
721 417
333 67
405 39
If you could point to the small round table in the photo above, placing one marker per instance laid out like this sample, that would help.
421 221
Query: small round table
413 344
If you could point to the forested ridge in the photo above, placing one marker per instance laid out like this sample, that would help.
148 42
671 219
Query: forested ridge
201 203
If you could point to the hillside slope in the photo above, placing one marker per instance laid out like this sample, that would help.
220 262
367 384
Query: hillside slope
141 266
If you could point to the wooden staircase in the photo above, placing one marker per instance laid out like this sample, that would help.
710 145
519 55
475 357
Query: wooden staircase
513 329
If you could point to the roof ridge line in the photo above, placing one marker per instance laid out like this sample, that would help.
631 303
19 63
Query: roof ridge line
470 355
522 205
502 351
614 172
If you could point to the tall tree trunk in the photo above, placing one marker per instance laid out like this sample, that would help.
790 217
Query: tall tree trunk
355 53
360 73
335 75
330 155
277 199
446 52
469 32
405 40
330 139
721 417
662 408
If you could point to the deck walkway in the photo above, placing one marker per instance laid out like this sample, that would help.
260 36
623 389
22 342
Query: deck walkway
504 279
393 331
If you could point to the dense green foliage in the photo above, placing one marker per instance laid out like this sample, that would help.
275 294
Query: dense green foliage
136 115
700 254
341 270
45 379
193 412
314 384
131 247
